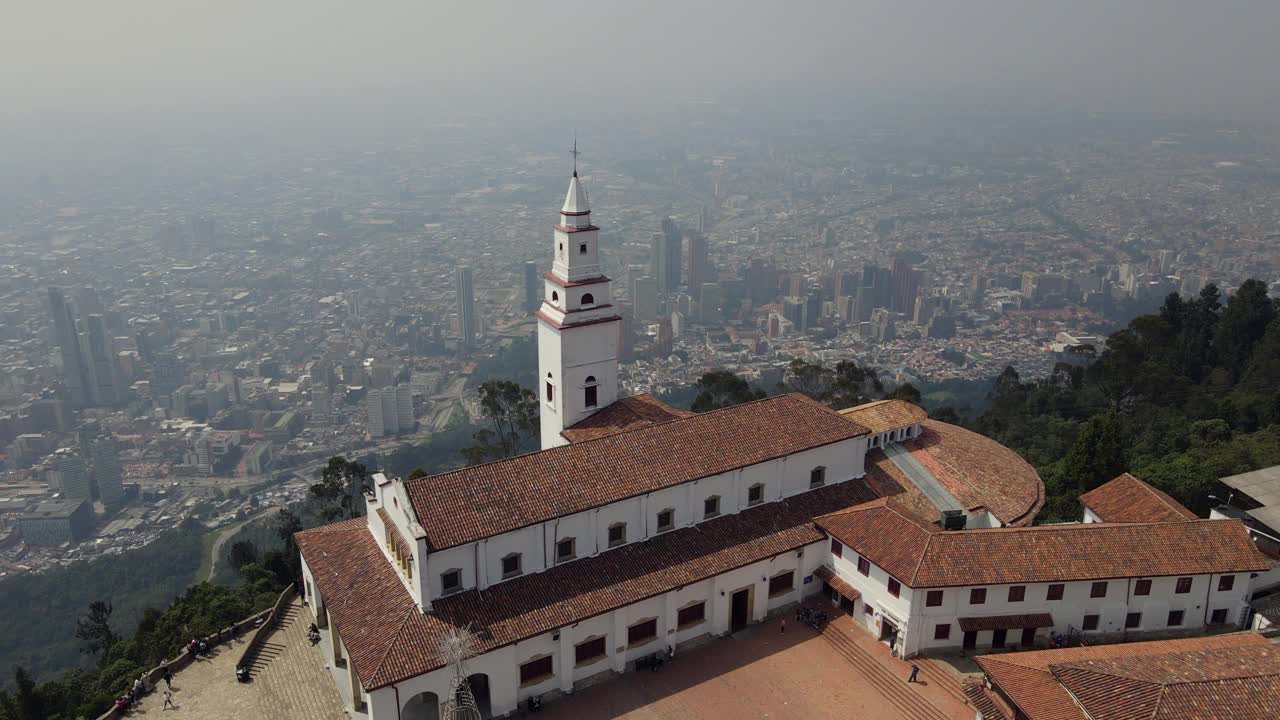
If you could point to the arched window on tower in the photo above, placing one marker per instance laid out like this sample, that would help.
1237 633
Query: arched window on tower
551 390
555 296
588 299
589 392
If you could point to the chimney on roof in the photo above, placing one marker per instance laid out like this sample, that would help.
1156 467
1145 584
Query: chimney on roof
953 520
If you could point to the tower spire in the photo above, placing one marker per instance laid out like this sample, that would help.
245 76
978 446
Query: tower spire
574 152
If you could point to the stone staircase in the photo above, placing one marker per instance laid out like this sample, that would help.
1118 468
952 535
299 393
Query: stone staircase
894 689
269 650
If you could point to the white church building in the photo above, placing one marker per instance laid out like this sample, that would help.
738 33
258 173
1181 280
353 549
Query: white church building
641 529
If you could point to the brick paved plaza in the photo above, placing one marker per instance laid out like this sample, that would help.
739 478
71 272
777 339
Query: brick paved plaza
762 673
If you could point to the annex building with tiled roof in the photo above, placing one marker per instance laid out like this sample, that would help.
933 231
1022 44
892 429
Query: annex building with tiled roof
1236 676
639 529
1127 499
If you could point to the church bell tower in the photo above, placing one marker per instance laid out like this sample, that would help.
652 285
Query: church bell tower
577 323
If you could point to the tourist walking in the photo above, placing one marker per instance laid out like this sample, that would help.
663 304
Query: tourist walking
915 670
168 701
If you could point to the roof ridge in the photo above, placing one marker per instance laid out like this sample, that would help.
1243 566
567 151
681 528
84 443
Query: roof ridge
1084 525
404 619
611 436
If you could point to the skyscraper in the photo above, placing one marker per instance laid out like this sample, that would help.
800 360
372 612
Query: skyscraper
466 309
710 303
644 299
75 477
906 281
700 268
670 255
101 362
68 338
106 470
532 287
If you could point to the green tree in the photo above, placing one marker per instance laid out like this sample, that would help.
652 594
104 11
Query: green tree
341 488
809 378
853 384
93 629
906 391
1244 321
512 414
722 388
417 472
1098 454
242 553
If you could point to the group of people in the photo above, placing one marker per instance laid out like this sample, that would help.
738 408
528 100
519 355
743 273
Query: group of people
313 634
132 698
198 648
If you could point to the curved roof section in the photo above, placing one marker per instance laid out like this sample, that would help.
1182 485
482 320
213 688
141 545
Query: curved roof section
980 472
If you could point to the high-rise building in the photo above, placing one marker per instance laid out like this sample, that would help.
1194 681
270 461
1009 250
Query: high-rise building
75 477
67 335
644 299
166 373
710 303
532 287
700 269
796 310
906 280
882 325
670 257
466 309
404 407
977 289
101 362
106 470
321 407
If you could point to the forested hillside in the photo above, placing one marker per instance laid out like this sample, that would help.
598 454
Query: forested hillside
1180 398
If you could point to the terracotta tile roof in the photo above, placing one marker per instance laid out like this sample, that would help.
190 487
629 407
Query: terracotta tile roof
389 640
826 574
472 503
406 547
922 556
1028 680
1126 499
984 702
1006 622
884 415
980 472
626 414
1237 682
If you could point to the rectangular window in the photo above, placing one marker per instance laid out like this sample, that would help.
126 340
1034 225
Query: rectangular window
1219 617
1226 582
977 596
864 565
551 392
590 393
779 584
867 609
511 565
451 581
1055 592
895 588
817 476
1175 618
535 671
1142 587
1090 622
666 520
582 248
711 506
837 549
617 534
589 651
1098 589
755 494
642 632
1132 620
691 615
933 598
1017 593
942 632
1184 586
565 549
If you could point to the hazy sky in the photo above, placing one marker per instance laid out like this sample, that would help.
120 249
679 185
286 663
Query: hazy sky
82 58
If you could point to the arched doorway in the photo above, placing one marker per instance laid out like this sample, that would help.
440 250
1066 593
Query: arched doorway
423 706
480 691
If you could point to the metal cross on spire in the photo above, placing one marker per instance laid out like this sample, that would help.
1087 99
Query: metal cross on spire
574 152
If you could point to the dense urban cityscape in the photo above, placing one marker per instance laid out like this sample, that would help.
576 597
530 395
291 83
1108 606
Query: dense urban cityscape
191 344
